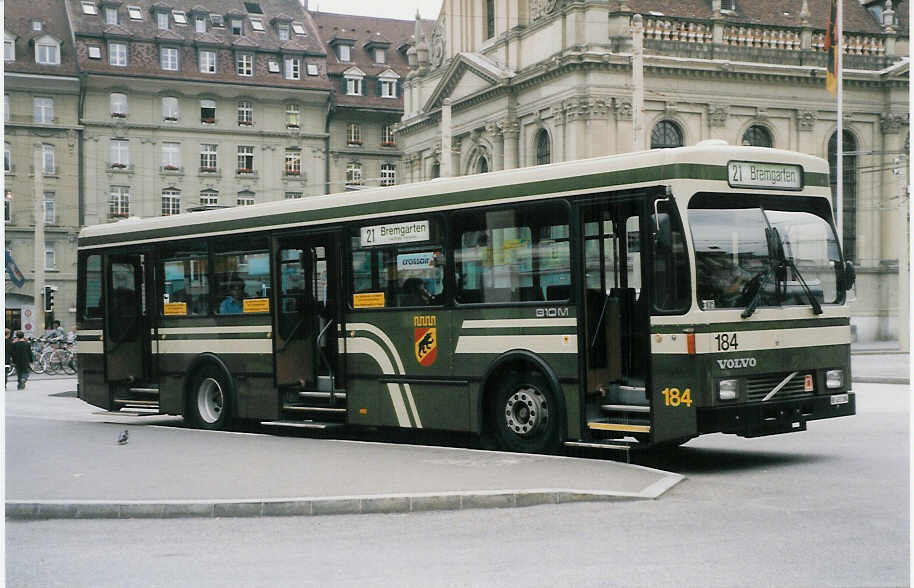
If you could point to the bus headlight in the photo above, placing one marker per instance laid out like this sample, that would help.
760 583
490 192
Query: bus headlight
834 379
728 389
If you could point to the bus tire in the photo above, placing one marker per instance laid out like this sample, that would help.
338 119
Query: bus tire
209 404
525 414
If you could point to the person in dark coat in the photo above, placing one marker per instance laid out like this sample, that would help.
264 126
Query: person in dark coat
8 348
22 357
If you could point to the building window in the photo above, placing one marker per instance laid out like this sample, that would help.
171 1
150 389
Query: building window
37 25
95 52
353 134
312 69
293 162
245 114
50 208
171 202
119 202
120 153
200 24
170 109
6 107
293 116
543 148
293 68
117 54
208 111
169 58
257 24
353 174
171 156
244 64
353 86
209 198
388 174
110 15
490 19
849 190
50 258
89 8
48 159
237 26
245 198
245 159
162 20
345 52
208 157
180 17
282 29
380 56
294 195
135 12
757 136
666 135
298 28
7 158
9 50
207 61
118 105
47 52
8 206
43 109
387 88
387 136
482 165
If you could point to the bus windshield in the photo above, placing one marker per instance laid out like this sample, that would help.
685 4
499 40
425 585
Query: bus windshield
736 261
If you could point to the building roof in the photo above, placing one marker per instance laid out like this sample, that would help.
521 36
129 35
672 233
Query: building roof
784 13
365 33
19 15
145 39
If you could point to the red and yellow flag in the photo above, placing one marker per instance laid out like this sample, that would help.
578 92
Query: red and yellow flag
831 46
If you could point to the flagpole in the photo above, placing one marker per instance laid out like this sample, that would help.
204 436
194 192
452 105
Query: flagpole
839 164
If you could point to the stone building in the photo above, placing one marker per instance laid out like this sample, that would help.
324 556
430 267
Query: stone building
508 83
41 105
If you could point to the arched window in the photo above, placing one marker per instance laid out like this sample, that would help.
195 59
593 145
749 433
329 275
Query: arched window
482 165
436 169
543 148
490 19
665 135
757 136
849 149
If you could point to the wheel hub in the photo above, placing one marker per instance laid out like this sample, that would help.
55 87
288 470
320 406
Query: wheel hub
210 400
526 411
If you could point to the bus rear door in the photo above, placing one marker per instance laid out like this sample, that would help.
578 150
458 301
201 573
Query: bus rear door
125 318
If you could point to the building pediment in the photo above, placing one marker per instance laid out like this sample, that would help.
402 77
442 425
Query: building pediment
467 74
354 72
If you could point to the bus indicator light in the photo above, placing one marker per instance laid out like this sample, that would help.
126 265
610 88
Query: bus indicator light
807 383
690 343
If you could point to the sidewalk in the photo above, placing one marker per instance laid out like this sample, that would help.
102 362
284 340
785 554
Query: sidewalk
880 363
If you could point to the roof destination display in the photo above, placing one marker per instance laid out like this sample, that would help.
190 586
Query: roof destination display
750 174
409 232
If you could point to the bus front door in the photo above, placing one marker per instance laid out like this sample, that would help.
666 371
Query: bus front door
125 321
305 318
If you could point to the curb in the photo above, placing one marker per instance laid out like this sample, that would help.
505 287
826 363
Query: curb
377 504
880 380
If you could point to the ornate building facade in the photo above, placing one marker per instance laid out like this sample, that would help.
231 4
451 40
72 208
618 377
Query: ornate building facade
508 83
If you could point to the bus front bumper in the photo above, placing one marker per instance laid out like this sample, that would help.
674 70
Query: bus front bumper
773 418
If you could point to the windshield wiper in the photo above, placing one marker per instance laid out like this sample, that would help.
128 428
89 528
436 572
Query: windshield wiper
775 242
761 279
816 307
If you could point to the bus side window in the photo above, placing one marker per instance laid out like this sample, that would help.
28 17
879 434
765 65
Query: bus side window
671 284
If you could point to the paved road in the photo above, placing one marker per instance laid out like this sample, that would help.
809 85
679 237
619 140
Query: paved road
825 507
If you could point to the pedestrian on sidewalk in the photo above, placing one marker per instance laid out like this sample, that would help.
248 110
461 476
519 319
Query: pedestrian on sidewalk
8 349
22 357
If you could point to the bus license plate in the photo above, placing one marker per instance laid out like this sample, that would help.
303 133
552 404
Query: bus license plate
838 399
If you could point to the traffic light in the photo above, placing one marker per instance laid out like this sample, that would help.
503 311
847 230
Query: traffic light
48 298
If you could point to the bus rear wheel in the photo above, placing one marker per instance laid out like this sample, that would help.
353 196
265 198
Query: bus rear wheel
525 414
209 403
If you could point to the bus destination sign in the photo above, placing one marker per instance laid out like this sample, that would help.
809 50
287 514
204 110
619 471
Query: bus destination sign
751 174
395 233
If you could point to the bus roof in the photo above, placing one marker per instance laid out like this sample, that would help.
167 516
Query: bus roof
706 161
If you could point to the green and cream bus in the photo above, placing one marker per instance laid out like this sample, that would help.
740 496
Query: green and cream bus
623 301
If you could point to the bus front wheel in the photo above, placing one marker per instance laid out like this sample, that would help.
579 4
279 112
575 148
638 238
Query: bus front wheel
525 414
210 399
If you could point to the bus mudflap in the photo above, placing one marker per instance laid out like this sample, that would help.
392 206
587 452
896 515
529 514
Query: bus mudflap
773 418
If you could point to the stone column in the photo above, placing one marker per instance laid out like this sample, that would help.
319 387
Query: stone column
493 134
446 163
510 132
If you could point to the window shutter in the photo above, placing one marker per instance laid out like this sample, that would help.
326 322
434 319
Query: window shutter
399 88
343 85
364 84
378 87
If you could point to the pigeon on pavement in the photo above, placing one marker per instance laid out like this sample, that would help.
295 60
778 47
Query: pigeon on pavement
122 439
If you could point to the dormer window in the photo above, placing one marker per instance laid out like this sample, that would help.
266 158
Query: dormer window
257 25
217 20
282 29
727 5
352 82
200 24
293 68
380 56
237 26
387 84
47 51
135 12
345 52
298 28
110 15
162 21
253 8
89 8
180 17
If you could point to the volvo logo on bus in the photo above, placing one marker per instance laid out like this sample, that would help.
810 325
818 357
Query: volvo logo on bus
551 312
739 362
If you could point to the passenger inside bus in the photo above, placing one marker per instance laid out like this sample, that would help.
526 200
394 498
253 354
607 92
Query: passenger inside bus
232 303
413 293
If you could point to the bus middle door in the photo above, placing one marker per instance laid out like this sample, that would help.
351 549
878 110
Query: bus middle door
125 318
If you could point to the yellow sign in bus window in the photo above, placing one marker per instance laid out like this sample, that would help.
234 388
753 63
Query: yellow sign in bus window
174 309
257 305
368 300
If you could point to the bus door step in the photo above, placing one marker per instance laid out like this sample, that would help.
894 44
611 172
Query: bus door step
609 445
136 403
309 408
625 408
626 394
324 395
304 424
616 425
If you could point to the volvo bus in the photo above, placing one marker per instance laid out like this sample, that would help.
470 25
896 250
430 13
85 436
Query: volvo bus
633 300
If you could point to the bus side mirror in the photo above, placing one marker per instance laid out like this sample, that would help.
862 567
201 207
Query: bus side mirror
663 235
850 275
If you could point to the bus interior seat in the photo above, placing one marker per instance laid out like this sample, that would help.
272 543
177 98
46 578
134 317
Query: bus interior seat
469 296
530 294
558 292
